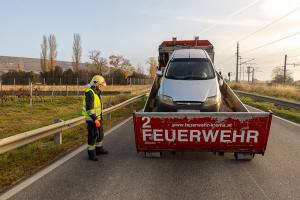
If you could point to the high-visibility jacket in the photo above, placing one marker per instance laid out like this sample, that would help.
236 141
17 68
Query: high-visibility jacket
96 108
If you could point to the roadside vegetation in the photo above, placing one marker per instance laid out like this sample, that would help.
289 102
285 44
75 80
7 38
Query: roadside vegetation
20 163
18 117
284 112
291 93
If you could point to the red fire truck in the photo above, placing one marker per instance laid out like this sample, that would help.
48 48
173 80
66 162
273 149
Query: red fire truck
234 129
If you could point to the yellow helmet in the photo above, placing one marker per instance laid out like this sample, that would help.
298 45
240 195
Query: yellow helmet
98 80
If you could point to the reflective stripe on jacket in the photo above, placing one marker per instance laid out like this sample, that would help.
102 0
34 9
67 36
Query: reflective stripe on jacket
96 108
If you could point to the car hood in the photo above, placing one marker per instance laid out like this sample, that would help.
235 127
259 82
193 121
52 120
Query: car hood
189 90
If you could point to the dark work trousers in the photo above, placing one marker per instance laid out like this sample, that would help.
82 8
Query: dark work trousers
95 135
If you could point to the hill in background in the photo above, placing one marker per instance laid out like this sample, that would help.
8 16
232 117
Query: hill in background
30 64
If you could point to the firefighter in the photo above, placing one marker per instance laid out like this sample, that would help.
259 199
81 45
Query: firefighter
92 110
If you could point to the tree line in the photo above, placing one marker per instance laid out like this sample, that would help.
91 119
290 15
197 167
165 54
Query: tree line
115 68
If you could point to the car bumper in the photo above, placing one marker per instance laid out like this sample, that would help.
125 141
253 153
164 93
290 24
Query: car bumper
162 107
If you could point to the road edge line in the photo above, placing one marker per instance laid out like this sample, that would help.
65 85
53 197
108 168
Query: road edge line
27 182
285 120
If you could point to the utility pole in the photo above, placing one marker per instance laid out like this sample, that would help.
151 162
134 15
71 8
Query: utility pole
243 72
252 75
237 63
248 72
284 69
240 67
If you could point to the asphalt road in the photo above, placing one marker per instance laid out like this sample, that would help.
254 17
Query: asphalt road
124 174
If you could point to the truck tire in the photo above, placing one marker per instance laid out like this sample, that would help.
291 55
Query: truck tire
152 154
243 156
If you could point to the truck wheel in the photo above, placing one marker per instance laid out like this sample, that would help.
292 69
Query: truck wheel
244 156
221 153
152 154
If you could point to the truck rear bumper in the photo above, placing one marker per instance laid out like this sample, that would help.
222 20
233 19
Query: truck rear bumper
212 132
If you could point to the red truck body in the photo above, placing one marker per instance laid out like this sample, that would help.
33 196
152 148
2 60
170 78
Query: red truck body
216 132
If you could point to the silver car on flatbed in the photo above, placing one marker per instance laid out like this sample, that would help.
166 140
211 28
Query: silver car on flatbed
189 82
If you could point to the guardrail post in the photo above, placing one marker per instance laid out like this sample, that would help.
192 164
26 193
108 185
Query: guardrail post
58 135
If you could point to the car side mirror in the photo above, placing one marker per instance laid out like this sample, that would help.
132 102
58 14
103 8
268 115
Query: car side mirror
159 73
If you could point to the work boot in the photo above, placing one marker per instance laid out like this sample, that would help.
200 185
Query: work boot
92 155
100 150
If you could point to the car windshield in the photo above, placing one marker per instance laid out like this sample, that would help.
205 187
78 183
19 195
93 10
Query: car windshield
190 69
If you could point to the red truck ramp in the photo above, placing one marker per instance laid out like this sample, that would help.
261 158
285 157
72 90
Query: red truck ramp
236 132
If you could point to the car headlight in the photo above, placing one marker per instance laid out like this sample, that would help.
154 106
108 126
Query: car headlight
213 100
166 99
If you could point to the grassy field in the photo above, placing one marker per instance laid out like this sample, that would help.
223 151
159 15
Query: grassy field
285 92
16 117
284 112
24 161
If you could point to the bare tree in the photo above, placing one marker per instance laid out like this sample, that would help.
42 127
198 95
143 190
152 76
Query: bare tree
278 77
116 60
44 54
52 51
20 65
98 62
76 52
127 68
139 69
152 66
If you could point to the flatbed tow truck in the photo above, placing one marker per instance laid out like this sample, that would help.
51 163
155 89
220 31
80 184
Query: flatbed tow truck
232 130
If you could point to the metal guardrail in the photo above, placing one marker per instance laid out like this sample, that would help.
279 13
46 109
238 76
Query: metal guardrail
274 100
21 139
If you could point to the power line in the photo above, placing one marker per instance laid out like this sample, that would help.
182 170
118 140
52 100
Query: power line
269 43
266 26
271 23
231 15
225 60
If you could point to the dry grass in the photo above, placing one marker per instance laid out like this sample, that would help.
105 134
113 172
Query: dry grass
19 117
284 112
280 91
123 88
24 161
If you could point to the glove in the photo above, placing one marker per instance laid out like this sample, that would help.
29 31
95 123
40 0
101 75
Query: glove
97 123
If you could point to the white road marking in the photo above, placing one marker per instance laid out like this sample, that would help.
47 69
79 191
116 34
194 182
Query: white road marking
45 171
285 120
260 188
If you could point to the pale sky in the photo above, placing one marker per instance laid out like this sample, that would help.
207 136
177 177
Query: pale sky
135 28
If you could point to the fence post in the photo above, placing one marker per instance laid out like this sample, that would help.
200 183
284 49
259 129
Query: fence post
77 86
112 81
58 135
14 83
30 93
52 94
67 90
59 81
44 81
